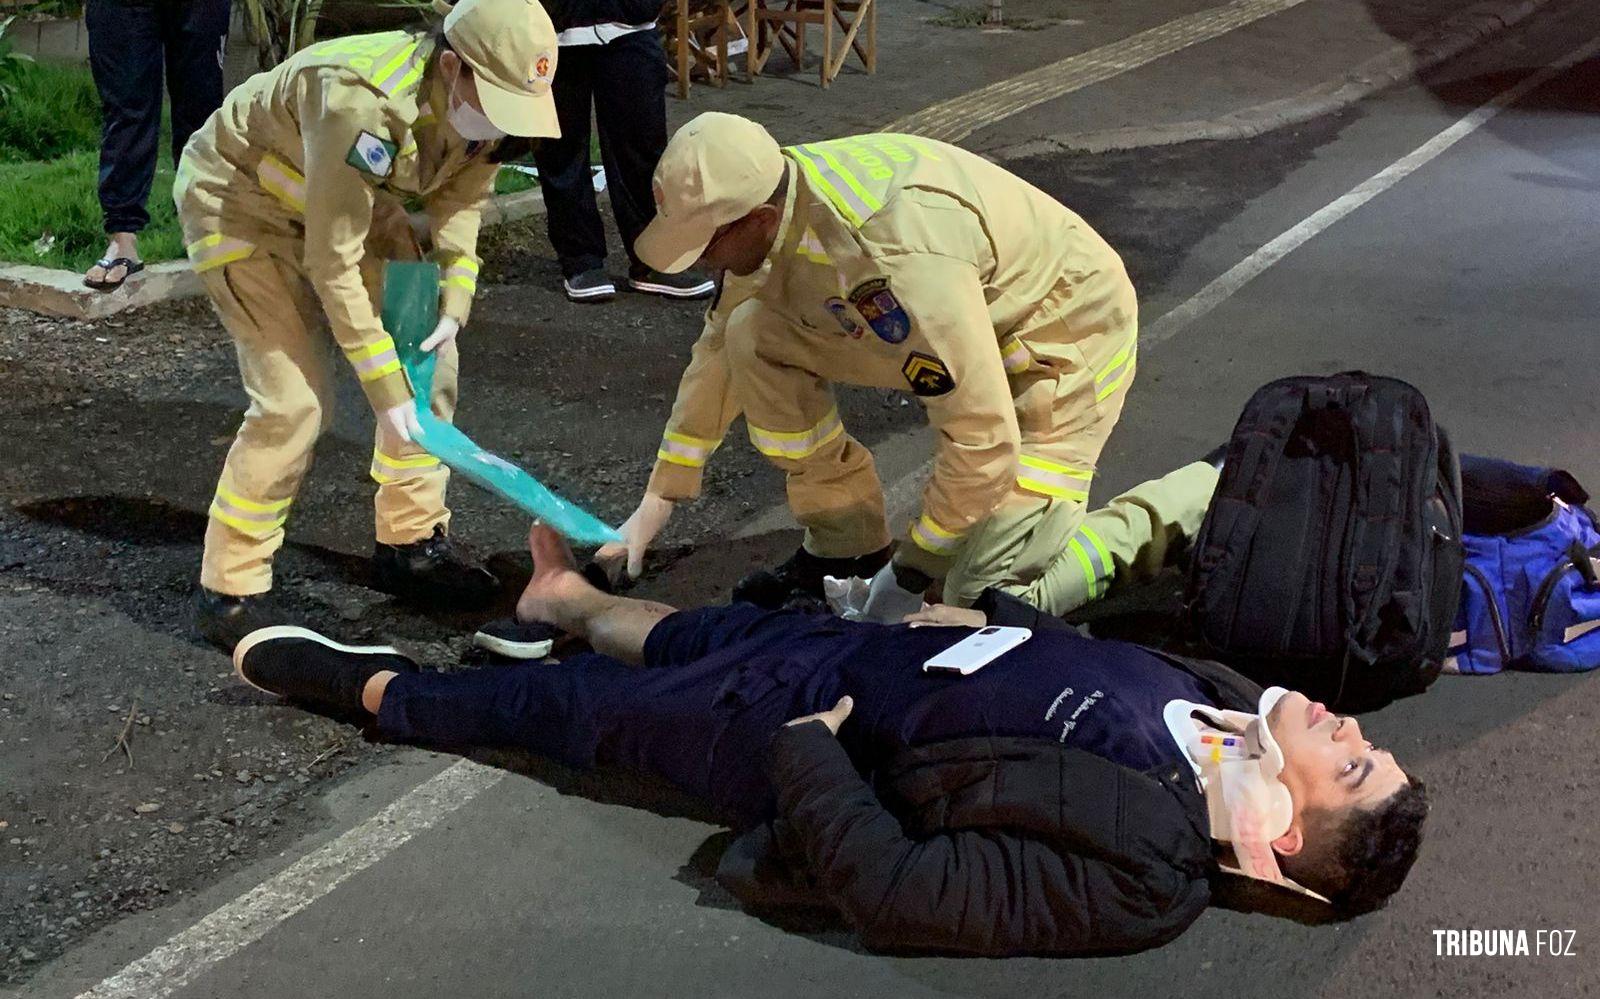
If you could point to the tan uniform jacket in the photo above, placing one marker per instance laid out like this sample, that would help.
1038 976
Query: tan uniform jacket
299 159
912 264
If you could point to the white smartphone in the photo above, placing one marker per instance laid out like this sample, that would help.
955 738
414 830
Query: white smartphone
977 650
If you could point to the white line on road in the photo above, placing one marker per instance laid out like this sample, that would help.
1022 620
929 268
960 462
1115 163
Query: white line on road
234 926
958 117
1253 266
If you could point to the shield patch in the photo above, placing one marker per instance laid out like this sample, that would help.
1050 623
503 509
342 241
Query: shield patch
370 154
927 375
847 322
881 310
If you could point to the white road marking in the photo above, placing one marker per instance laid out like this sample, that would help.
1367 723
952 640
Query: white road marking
955 119
241 922
1253 266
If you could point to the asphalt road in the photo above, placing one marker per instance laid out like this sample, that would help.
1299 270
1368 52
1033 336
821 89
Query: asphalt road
1476 278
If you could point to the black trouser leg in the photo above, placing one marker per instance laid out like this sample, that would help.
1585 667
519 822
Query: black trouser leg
193 34
631 109
125 58
571 214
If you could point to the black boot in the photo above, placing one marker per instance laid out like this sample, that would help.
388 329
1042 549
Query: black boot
222 619
799 579
433 571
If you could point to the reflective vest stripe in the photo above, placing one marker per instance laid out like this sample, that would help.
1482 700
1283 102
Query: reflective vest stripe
681 449
1116 372
933 538
868 198
215 250
812 249
1049 478
462 273
282 181
388 468
258 520
399 72
375 360
796 445
1014 356
833 186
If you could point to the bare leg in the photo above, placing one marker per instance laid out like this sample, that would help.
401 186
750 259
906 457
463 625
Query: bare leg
559 595
372 693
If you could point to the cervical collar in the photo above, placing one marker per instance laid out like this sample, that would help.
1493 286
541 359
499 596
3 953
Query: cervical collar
1239 763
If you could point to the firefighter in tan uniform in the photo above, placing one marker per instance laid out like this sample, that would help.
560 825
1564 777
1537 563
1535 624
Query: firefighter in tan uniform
290 201
896 262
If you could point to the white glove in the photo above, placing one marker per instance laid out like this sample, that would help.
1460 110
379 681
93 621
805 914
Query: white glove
442 334
401 421
638 531
887 602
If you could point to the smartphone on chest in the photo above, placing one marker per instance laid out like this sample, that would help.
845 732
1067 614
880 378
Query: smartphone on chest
977 650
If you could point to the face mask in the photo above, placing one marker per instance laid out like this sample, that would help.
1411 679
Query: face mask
1253 807
470 123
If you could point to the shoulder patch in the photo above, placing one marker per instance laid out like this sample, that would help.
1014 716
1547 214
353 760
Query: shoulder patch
372 155
927 375
881 310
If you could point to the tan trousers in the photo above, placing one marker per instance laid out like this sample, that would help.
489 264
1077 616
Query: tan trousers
1127 540
286 362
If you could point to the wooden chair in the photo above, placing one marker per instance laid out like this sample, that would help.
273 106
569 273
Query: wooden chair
697 34
783 22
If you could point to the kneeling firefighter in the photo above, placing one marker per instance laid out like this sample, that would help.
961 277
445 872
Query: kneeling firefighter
294 187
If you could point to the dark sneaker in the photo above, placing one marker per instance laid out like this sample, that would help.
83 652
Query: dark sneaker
301 665
433 571
687 284
512 639
801 577
222 619
1215 456
590 286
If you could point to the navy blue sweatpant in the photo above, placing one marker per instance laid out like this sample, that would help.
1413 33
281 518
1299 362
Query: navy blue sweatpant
131 42
715 685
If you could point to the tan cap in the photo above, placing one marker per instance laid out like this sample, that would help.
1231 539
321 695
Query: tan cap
511 47
715 170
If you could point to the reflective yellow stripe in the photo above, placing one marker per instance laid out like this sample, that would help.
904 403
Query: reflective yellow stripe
282 181
812 249
215 250
1014 356
462 273
397 73
839 169
1091 580
855 210
258 520
1121 365
1100 549
1115 384
681 449
796 444
387 468
375 360
933 538
1048 478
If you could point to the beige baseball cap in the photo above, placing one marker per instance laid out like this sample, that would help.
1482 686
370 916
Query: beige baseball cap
511 47
716 169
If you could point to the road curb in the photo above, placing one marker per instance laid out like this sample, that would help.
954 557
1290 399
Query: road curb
1401 62
53 292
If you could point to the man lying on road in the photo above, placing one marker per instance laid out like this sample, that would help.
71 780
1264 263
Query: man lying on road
1074 796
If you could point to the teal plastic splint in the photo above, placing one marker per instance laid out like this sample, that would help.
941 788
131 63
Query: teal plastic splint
410 312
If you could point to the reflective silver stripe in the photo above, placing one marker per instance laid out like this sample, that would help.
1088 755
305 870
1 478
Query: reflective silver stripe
1014 356
681 449
1051 478
399 71
795 445
375 360
282 181
387 468
1121 366
931 537
215 250
1098 556
812 249
462 273
259 520
832 185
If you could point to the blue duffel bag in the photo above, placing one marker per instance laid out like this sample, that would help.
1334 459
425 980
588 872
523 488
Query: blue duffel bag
1530 598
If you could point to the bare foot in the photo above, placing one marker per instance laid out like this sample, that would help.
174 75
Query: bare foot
555 577
122 244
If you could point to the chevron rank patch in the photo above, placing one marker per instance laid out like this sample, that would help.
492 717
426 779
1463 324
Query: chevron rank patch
370 154
927 375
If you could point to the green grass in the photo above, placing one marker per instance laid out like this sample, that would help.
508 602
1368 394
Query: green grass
54 111
58 197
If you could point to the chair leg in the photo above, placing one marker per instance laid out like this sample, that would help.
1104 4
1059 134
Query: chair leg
827 70
683 49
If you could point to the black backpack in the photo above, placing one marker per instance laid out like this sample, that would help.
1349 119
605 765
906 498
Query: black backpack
1330 558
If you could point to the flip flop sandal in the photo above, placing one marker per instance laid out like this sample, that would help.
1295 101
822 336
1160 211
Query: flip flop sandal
106 264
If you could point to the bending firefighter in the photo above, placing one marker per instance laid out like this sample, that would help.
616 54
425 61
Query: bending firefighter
294 188
896 262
